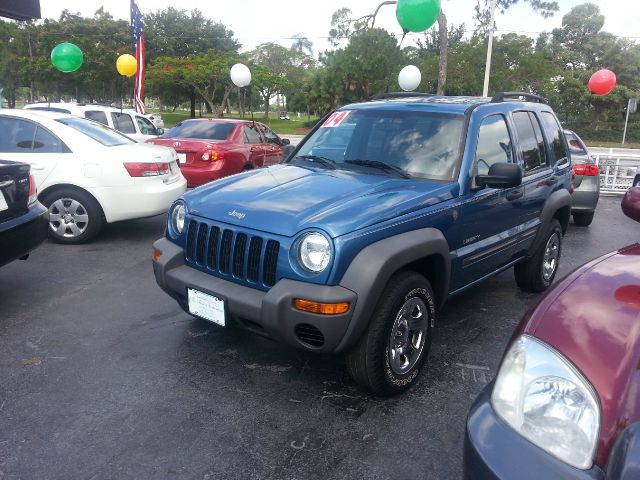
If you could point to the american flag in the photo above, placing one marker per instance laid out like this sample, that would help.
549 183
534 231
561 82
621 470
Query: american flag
137 45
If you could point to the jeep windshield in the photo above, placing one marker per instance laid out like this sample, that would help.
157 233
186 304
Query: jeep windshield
421 144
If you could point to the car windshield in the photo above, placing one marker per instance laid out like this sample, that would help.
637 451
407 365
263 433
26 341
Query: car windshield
421 144
201 129
97 131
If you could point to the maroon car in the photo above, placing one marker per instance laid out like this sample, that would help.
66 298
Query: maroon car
566 401
209 148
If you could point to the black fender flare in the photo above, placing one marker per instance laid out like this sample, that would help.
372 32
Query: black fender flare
373 266
558 205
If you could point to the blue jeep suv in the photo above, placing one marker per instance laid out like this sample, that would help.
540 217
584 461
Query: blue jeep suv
384 211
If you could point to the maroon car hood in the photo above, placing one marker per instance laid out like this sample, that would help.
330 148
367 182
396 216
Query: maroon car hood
593 317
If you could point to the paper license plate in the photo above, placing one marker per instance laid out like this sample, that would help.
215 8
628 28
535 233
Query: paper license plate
182 157
206 306
3 203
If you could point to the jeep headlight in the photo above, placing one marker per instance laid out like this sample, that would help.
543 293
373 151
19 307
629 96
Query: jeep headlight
542 396
314 252
177 218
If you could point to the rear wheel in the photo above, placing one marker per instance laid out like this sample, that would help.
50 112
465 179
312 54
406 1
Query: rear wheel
74 216
582 219
537 273
388 357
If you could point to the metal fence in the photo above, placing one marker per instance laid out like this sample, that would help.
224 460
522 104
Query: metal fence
618 168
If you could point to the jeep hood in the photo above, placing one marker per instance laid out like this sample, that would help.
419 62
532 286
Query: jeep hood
285 199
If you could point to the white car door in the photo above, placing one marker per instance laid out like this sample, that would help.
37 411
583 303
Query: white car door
26 141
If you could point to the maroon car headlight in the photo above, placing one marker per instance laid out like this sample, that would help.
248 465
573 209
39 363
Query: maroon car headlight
543 397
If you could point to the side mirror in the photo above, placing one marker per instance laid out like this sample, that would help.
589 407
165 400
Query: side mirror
160 131
631 203
501 175
285 141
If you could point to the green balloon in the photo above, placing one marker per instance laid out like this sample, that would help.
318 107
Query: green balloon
66 57
417 15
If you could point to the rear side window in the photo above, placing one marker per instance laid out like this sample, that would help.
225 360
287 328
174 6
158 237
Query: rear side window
98 132
201 129
96 116
17 135
45 142
555 136
531 142
123 122
494 144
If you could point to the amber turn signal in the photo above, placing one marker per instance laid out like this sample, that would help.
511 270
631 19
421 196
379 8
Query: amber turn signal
321 308
156 254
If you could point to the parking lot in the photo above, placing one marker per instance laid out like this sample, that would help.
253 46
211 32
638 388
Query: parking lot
103 376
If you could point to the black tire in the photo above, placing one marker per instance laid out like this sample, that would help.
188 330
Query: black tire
74 216
370 362
582 219
537 273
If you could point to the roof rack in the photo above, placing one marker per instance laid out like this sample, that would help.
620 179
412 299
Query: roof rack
502 96
391 95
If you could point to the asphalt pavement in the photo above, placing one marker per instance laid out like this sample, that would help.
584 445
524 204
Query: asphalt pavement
103 376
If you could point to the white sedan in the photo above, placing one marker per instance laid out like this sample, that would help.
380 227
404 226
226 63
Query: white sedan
87 173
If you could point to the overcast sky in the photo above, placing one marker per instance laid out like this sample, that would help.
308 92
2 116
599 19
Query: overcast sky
258 21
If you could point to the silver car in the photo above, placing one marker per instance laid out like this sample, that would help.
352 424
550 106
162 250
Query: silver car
586 181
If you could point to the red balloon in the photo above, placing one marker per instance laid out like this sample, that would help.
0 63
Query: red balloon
602 82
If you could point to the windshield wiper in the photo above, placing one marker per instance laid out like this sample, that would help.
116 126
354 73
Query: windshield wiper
326 162
381 166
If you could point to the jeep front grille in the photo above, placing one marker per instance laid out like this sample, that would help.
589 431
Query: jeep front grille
228 252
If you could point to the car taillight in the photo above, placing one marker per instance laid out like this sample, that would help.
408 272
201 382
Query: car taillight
33 191
146 169
586 169
213 155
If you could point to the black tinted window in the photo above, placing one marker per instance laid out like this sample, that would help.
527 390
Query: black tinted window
251 135
17 135
145 126
494 144
46 142
204 129
97 116
123 123
555 135
532 152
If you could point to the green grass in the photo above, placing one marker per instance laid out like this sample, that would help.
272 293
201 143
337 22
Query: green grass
295 126
600 143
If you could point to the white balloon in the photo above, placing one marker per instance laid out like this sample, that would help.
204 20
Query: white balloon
240 75
409 78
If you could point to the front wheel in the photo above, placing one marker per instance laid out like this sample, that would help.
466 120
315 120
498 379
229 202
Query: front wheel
74 216
388 357
537 273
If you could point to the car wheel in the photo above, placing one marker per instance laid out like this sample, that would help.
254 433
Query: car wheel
537 273
582 219
74 216
388 357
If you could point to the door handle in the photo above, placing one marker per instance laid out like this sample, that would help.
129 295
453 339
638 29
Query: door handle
551 181
514 194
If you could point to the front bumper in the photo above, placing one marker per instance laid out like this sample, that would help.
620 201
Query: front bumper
270 313
494 451
24 234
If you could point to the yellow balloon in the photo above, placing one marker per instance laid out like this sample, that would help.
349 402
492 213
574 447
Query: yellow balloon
127 65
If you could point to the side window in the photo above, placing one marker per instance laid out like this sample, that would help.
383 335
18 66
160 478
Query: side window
122 122
145 126
251 135
494 144
532 150
17 135
555 136
269 136
97 116
45 142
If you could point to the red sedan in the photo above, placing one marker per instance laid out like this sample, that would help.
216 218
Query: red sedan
566 401
209 149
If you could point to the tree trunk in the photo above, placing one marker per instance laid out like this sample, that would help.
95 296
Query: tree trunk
192 95
266 106
444 51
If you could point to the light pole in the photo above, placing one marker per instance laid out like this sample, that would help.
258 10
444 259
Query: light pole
487 67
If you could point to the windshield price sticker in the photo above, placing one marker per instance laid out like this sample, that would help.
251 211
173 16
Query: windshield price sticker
336 119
